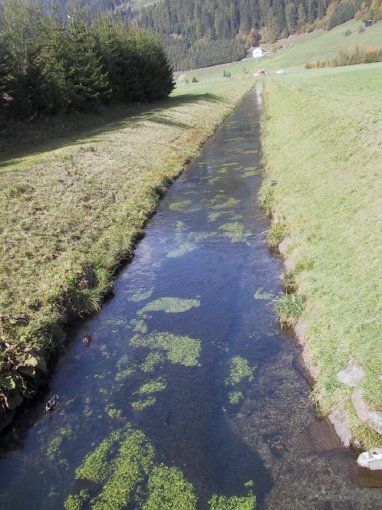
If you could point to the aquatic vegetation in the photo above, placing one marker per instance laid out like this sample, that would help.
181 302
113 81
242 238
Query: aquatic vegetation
96 466
170 305
187 241
124 374
228 204
239 370
152 387
139 326
260 294
140 405
213 216
130 468
250 172
234 397
168 490
180 206
233 503
141 294
235 232
113 412
181 350
153 360
75 501
53 451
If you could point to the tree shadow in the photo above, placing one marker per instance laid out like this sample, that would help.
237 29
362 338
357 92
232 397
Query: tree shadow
28 140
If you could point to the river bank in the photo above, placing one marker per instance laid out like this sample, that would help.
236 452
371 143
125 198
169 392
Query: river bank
71 212
321 142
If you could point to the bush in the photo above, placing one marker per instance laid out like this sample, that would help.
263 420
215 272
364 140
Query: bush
194 79
361 29
348 32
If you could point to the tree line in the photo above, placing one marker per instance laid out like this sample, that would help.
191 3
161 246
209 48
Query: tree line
51 63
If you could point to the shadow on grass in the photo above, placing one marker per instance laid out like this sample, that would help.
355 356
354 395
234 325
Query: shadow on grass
27 140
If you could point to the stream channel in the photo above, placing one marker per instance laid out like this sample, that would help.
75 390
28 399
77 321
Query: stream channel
187 359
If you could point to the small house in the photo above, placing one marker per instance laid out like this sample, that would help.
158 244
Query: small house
258 52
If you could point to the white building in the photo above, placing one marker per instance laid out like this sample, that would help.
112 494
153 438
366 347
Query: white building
258 52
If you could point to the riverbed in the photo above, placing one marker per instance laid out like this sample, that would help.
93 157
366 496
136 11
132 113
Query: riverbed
188 359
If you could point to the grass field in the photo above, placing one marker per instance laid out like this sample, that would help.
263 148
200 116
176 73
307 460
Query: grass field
322 145
75 193
322 45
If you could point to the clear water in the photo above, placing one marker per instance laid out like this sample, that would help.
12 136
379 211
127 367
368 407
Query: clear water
207 243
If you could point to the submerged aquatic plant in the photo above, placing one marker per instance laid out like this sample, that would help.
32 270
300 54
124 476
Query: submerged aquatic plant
168 490
228 204
233 503
239 370
75 501
260 294
181 350
153 360
140 405
170 305
139 326
187 241
152 387
141 294
180 206
250 172
235 232
234 397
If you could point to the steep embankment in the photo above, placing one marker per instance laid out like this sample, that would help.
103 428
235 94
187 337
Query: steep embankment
71 210
322 144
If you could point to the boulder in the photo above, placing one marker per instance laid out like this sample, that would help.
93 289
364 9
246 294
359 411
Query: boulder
371 418
372 459
340 421
351 375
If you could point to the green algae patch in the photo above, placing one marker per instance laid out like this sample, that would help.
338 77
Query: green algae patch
227 204
76 501
130 468
139 326
235 232
170 305
141 405
235 397
213 216
141 294
97 466
233 503
180 206
261 295
53 451
239 370
181 350
250 172
186 241
168 490
153 360
154 386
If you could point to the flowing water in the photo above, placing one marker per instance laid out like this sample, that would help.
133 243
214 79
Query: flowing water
188 353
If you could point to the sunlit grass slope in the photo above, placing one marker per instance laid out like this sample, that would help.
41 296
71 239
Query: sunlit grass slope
75 193
323 45
323 147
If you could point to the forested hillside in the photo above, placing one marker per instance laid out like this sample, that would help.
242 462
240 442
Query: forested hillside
187 26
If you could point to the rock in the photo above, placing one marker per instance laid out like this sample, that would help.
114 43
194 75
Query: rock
351 375
283 246
87 339
340 421
371 459
289 264
371 418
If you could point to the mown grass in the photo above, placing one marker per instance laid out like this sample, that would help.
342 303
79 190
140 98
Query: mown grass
322 45
76 193
322 142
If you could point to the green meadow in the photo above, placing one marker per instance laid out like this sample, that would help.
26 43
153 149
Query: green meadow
322 148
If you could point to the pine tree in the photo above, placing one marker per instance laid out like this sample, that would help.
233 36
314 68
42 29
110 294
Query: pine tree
301 16
291 17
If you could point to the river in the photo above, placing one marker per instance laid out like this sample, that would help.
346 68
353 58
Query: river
188 353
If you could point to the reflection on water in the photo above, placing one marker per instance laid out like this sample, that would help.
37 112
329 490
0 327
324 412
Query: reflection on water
188 389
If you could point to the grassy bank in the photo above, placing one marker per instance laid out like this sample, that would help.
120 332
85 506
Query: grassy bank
75 195
322 147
